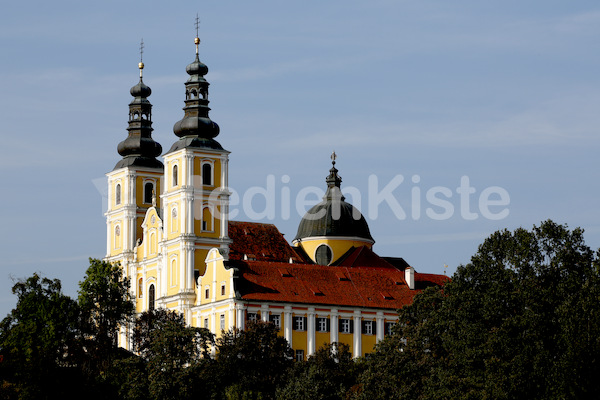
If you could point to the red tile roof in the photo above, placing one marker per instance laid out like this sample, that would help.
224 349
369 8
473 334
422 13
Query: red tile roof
361 278
260 242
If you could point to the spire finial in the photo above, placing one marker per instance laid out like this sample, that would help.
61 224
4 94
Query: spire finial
141 64
333 179
197 39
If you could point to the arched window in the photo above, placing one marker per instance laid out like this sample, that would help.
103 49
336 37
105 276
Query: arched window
140 287
207 219
151 296
173 272
118 194
323 255
207 174
174 175
148 192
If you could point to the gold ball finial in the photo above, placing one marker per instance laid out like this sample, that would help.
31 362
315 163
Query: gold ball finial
197 40
141 65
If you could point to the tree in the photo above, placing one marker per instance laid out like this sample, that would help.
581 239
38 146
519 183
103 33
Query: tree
106 306
38 339
326 375
253 361
175 353
521 320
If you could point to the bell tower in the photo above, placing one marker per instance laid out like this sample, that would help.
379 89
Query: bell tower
134 180
195 197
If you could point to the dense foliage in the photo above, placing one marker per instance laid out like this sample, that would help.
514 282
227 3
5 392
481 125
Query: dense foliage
521 320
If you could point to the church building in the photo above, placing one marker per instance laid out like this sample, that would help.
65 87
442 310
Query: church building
168 227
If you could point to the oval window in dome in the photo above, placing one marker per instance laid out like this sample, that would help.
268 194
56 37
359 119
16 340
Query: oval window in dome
323 255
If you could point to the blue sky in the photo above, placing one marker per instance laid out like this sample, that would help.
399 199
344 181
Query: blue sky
506 93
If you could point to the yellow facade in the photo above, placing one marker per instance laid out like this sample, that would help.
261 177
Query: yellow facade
175 254
167 226
338 246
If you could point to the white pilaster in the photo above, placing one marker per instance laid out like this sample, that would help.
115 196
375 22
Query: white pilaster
287 324
264 313
357 334
380 327
334 326
310 332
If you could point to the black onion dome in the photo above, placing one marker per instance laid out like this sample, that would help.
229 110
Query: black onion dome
333 216
141 90
197 68
139 149
196 129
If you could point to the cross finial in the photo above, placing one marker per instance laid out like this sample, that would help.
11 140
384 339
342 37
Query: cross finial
197 39
141 64
333 157
142 50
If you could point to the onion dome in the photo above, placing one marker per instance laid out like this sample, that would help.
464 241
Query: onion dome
196 129
139 149
333 217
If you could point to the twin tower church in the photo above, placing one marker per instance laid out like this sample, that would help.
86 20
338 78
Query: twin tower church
168 227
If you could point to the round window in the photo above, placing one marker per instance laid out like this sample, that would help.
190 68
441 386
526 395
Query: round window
323 255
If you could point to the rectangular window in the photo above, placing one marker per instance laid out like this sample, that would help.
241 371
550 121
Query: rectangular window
275 320
252 316
299 323
389 326
222 322
206 293
345 325
322 324
368 327
206 323
299 355
222 290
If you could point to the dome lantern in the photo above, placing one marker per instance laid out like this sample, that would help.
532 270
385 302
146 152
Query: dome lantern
333 222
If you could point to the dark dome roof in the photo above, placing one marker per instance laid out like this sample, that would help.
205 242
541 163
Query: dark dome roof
140 90
333 216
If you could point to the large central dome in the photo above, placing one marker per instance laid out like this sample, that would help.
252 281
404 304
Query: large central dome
333 217
333 226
